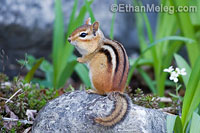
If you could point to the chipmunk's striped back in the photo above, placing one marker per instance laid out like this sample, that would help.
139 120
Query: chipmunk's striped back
119 62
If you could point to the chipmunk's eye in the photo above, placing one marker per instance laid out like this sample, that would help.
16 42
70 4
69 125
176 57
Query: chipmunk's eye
83 35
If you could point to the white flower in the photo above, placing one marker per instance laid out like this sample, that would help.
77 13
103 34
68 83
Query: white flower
181 72
169 70
174 76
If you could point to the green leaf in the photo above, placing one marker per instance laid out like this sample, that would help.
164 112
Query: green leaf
171 119
83 73
181 62
198 110
66 73
58 40
166 62
175 38
178 126
89 9
79 20
67 51
195 16
164 50
62 50
31 73
141 62
112 24
73 14
28 62
147 24
174 124
48 69
173 95
140 30
148 80
195 128
191 98
188 30
151 40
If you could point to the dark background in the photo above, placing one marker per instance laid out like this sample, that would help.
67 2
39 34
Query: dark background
26 27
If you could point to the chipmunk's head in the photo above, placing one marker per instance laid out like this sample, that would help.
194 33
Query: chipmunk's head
87 37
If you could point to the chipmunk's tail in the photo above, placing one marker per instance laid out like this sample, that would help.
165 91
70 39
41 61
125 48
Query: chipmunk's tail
120 109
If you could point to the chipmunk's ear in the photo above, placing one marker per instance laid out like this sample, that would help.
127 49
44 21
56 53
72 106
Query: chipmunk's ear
95 27
88 21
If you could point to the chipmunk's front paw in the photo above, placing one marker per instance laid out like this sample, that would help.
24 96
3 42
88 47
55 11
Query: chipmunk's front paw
80 60
91 91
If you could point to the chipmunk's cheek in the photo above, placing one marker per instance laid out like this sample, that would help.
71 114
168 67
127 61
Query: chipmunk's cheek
81 50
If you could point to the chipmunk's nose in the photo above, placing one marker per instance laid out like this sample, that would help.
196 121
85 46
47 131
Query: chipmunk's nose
69 39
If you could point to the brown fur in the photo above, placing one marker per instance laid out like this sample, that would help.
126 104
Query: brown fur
101 79
109 84
105 80
119 81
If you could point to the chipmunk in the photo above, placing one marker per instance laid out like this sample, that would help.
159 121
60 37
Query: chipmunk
108 67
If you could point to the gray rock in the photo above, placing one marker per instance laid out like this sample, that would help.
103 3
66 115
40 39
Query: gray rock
73 113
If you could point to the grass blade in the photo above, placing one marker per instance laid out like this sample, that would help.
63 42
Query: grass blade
83 73
48 69
183 64
176 38
66 73
194 104
68 48
195 128
63 52
31 73
140 32
112 24
79 20
178 128
58 40
195 16
151 40
148 80
166 62
184 21
191 98
164 51
89 9
171 119
141 62
174 124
